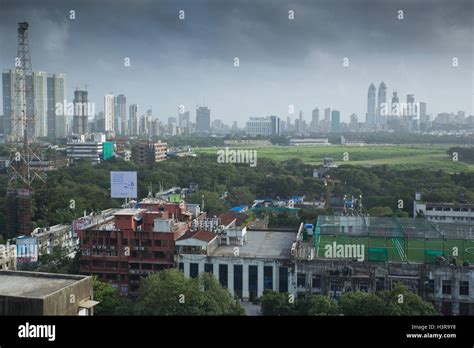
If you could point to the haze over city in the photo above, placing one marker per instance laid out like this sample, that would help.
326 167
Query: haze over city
190 61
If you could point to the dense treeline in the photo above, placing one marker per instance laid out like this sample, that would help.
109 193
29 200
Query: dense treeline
398 301
381 186
465 154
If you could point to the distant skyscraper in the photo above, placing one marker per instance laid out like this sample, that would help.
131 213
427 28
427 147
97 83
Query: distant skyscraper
300 123
13 128
370 118
183 119
315 120
8 88
81 112
203 119
395 104
134 120
40 104
57 106
381 101
335 121
172 120
422 112
327 115
109 113
353 120
275 125
121 114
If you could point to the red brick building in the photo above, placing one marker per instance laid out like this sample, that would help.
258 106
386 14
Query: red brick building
132 243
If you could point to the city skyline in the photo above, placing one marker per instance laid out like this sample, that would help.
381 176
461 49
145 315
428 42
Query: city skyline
282 62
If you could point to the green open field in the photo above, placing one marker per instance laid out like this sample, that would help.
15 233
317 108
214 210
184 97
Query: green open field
414 250
399 156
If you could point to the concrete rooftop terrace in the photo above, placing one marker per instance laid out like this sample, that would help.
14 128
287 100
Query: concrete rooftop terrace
261 244
34 284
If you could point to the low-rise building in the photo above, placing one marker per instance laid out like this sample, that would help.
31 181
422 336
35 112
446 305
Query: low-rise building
149 152
127 244
33 293
7 256
61 236
244 262
443 212
309 141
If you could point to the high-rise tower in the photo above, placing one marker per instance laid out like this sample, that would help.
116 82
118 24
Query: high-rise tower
381 104
370 118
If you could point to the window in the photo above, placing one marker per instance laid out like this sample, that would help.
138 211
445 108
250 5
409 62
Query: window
301 280
363 286
209 268
253 281
464 308
223 275
316 282
446 287
380 284
181 266
464 288
193 270
268 277
159 254
283 279
430 285
238 280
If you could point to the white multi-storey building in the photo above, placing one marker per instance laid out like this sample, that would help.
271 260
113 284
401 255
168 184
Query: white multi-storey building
443 212
266 126
40 103
244 262
109 112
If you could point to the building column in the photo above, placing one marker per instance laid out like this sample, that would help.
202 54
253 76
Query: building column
455 293
230 277
276 278
215 269
201 267
245 281
260 279
292 276
186 269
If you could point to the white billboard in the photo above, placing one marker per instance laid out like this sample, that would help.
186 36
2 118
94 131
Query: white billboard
123 184
26 249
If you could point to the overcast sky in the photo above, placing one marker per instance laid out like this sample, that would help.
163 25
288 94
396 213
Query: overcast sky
282 61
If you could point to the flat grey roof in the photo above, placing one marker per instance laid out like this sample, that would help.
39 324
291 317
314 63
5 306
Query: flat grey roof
261 244
34 284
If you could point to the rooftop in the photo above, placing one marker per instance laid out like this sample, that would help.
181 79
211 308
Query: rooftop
34 284
129 211
261 244
205 236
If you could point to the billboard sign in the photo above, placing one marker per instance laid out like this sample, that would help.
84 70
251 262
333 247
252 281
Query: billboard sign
26 249
123 184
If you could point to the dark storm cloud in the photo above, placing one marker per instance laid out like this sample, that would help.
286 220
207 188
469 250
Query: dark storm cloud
274 50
